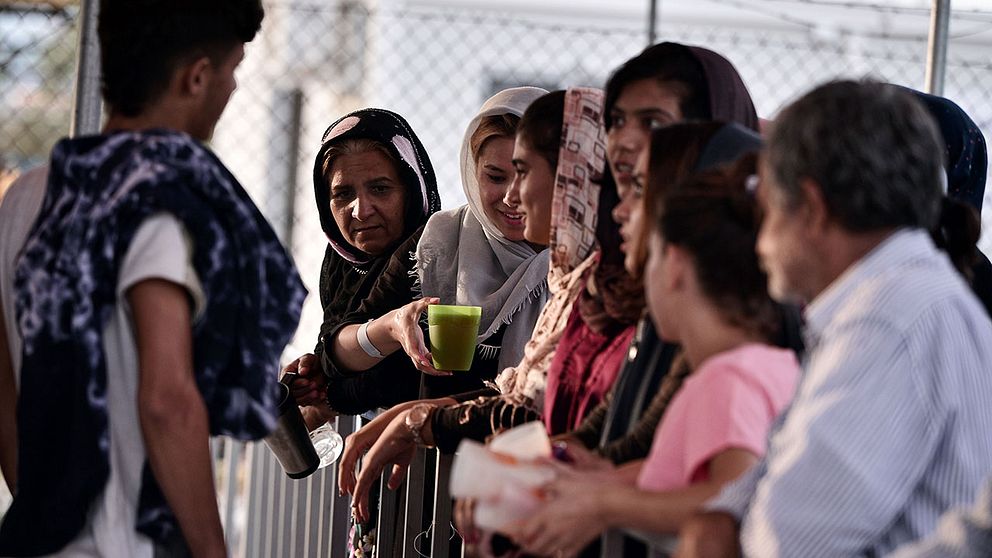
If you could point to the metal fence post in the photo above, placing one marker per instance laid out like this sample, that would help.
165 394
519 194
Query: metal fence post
391 519
232 451
294 131
86 101
441 536
416 482
940 19
341 506
652 21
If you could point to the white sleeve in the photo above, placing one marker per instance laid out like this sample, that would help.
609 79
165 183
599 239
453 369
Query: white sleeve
161 249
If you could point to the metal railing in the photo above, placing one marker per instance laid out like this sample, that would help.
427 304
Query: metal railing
268 515
265 513
298 518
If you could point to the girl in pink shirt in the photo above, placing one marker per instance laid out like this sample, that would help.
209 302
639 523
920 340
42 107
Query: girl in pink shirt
724 408
706 291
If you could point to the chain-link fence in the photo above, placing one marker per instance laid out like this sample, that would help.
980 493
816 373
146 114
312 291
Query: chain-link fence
37 63
317 59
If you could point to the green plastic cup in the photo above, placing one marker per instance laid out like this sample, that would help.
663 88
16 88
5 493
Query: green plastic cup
453 331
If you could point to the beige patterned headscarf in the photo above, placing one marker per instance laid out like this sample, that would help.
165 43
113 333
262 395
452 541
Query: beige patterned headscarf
581 161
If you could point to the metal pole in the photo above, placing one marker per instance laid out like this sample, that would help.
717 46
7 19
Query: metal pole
940 18
295 131
233 455
652 21
86 102
341 503
441 537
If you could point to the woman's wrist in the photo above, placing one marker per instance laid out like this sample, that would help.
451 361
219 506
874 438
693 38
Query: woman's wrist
391 323
613 504
417 420
427 431
366 343
605 504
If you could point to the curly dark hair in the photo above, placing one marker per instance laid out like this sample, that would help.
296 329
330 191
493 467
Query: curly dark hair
143 41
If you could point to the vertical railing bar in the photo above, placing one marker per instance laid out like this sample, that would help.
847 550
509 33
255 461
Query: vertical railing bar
652 21
280 519
440 543
399 523
320 532
415 482
253 540
309 512
295 531
386 524
271 479
611 544
234 458
218 472
293 132
330 544
940 21
340 504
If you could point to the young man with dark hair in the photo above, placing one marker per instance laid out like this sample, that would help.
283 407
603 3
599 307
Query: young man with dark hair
890 424
152 302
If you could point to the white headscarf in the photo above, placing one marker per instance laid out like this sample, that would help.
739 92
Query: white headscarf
463 258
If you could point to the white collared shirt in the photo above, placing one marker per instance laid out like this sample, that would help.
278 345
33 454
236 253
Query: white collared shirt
892 422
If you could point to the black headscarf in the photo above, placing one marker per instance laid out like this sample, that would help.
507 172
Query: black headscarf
348 274
966 156
966 164
727 145
729 98
414 169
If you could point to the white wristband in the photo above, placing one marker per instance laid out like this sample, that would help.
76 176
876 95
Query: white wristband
366 343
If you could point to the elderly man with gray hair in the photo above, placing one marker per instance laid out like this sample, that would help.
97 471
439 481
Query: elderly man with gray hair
890 425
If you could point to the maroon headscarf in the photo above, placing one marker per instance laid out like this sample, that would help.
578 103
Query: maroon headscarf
729 99
717 93
716 90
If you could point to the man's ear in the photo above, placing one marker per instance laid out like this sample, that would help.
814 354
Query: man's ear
814 206
194 77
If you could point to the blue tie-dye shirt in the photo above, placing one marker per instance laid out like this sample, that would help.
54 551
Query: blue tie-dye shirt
100 190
